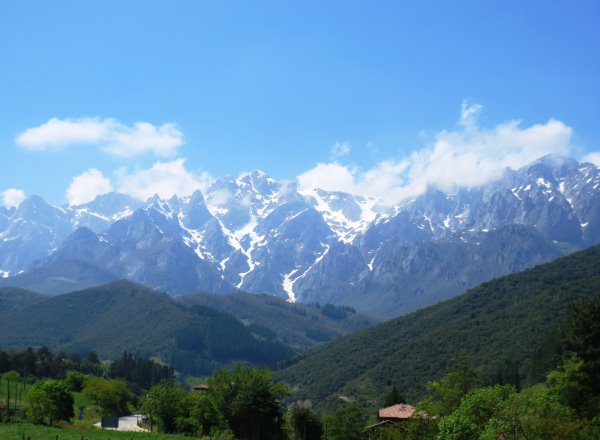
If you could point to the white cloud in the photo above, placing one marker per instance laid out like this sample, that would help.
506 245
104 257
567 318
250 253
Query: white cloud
87 186
108 134
163 178
340 149
330 177
593 158
468 156
219 197
12 197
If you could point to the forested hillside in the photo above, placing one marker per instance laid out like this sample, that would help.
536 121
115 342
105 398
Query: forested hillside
299 325
11 297
123 316
510 326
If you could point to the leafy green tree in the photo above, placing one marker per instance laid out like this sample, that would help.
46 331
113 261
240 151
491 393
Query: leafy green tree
249 400
301 423
579 376
201 416
49 400
444 396
11 376
346 423
165 404
535 413
476 409
75 380
112 396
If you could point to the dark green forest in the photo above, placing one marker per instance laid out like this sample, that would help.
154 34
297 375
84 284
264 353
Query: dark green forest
123 316
510 326
194 337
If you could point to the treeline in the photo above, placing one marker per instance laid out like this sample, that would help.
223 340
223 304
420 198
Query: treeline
42 363
245 403
41 385
336 312
139 372
31 365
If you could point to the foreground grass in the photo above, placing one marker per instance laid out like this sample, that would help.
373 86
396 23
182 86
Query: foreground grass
15 431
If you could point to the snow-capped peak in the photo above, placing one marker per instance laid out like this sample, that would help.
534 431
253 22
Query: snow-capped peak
346 215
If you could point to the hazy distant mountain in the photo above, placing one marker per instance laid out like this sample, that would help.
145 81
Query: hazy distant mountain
260 235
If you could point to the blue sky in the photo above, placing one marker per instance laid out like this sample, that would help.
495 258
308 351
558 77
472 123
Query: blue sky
361 96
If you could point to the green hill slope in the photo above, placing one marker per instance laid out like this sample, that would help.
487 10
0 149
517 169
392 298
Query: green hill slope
14 297
298 325
123 316
509 326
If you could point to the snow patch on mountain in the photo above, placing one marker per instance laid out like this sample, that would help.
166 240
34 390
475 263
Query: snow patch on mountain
288 286
289 280
348 216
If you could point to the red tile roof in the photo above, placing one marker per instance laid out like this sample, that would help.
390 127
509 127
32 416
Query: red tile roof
399 411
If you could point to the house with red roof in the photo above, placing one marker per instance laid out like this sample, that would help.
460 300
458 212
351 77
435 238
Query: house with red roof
396 417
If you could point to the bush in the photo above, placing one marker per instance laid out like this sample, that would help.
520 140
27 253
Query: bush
49 400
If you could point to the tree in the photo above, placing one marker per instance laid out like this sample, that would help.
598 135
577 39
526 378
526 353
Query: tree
444 396
346 423
140 373
11 376
75 380
303 424
535 413
579 375
249 400
49 400
112 396
476 409
202 417
165 403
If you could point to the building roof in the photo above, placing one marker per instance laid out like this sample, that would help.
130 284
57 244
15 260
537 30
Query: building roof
398 411
201 387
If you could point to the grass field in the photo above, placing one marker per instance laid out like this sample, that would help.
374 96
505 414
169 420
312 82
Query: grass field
15 431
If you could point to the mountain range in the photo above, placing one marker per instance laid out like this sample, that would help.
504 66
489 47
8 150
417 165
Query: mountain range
259 235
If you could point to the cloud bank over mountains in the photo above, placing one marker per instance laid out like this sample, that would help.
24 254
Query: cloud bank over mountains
469 155
110 135
87 186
